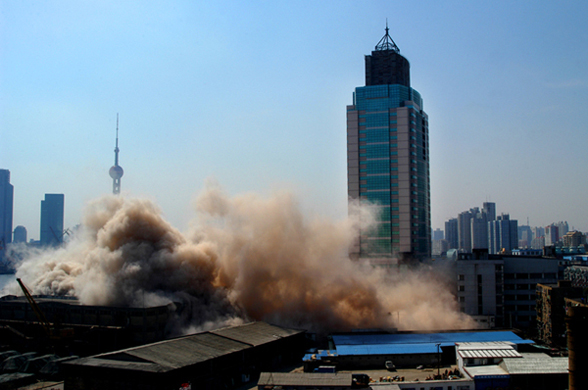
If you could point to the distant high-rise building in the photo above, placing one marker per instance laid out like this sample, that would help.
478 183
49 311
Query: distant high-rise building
20 234
464 229
440 247
574 239
52 210
551 234
502 234
438 234
6 208
479 230
525 236
451 233
490 209
538 231
562 228
388 157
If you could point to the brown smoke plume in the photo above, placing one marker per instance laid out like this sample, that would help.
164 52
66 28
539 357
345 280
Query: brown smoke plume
249 258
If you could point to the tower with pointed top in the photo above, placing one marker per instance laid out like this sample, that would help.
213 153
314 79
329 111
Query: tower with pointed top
388 158
116 171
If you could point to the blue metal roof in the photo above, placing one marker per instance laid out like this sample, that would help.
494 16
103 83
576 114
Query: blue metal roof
387 349
445 339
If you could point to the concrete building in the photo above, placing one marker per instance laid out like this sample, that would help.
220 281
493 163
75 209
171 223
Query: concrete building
573 239
480 285
502 286
388 157
52 211
225 358
6 209
551 310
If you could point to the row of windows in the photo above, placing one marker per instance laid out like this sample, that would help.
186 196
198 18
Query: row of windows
519 307
378 185
378 153
531 286
520 297
382 145
537 275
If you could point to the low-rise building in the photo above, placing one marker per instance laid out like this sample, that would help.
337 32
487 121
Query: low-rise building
499 365
502 286
220 359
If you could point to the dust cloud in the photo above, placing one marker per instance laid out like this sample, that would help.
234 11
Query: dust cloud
248 258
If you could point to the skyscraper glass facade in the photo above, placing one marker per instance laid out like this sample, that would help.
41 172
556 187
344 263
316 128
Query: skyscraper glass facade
388 164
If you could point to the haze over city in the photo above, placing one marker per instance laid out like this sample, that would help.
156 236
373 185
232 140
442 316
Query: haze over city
254 96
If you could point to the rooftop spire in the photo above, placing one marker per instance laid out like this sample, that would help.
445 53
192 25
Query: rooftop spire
386 43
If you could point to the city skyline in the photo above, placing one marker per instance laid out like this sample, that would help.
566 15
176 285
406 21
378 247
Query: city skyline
254 96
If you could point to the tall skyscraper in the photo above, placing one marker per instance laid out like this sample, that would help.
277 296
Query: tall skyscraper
52 219
6 207
388 157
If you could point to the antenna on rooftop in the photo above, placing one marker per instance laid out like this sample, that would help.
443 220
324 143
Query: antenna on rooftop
386 43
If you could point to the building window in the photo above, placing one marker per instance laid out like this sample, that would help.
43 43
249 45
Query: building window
460 277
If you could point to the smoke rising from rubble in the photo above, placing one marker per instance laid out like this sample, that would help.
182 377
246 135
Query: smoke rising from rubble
249 258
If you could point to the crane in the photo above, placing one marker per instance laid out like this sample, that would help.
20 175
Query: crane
47 326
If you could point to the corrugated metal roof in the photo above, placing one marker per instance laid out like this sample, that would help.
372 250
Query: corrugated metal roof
255 333
389 349
489 353
487 345
444 338
536 363
306 379
185 351
486 371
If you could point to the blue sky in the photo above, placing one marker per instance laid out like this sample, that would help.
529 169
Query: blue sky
253 94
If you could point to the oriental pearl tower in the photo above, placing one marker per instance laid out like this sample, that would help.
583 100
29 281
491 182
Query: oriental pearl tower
116 171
